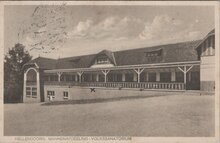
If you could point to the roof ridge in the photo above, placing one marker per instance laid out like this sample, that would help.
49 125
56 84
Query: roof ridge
185 42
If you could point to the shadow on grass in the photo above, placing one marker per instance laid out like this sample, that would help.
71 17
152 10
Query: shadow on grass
98 100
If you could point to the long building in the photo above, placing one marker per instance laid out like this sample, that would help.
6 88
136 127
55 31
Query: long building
180 66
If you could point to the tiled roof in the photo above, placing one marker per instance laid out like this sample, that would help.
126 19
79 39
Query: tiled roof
44 63
75 62
179 52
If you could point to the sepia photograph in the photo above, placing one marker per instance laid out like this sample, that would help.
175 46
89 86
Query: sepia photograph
110 69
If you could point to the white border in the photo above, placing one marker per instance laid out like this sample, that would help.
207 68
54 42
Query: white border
152 3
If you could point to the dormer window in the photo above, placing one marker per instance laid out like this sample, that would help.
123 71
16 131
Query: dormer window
102 61
155 53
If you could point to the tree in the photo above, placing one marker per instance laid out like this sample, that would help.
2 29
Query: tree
13 73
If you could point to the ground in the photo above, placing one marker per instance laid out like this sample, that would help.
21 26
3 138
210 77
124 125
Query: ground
170 115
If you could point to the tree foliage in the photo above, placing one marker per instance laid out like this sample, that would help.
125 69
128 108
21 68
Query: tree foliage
13 73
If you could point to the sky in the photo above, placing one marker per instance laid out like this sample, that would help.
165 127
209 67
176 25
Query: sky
65 31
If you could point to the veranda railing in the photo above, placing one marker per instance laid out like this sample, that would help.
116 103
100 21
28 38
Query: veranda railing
142 85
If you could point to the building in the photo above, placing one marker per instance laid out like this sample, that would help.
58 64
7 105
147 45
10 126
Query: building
180 66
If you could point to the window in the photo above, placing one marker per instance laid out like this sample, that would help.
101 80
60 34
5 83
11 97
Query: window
69 77
165 77
65 95
34 92
179 77
28 91
154 53
50 93
152 77
31 91
129 77
102 61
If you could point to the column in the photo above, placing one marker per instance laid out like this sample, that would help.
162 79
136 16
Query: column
184 70
90 76
59 75
38 86
189 76
146 75
135 77
203 49
173 76
97 77
185 74
123 77
75 77
157 76
105 72
211 45
80 75
207 47
24 87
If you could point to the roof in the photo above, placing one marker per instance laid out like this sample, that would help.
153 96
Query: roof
212 32
44 63
178 52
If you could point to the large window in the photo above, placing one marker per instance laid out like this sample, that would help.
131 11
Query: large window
31 92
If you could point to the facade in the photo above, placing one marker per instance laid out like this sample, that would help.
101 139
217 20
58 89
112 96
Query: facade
180 66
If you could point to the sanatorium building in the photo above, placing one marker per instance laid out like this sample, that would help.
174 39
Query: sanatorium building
180 66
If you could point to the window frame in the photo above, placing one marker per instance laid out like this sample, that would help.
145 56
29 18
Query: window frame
32 91
28 90
103 60
50 93
65 95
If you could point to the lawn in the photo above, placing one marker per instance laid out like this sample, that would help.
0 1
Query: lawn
171 115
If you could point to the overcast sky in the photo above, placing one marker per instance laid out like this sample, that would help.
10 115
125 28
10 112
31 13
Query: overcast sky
90 29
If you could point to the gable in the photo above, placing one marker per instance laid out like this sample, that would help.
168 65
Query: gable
103 59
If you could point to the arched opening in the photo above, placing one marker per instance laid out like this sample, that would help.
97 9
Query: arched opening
31 77
31 84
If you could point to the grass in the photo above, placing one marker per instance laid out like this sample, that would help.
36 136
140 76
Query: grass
176 115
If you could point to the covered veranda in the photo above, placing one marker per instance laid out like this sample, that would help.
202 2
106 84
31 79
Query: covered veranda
173 76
